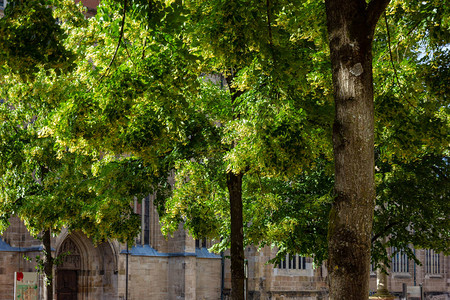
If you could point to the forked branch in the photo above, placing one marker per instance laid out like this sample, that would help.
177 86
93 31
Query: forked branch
374 10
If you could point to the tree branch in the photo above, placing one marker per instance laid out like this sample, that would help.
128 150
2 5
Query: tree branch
389 47
12 125
143 48
439 172
376 236
235 93
402 40
374 10
118 43
128 53
392 59
269 25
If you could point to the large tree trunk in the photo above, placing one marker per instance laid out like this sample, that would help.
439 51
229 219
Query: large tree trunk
351 25
234 183
48 265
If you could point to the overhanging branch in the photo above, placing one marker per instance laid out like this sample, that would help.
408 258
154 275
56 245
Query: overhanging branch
118 43
392 59
374 10
386 228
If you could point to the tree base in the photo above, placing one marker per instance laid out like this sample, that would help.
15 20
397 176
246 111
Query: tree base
382 296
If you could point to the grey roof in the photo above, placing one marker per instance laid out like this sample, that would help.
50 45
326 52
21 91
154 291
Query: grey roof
147 250
5 247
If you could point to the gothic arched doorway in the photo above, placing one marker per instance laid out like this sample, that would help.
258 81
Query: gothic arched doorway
67 271
86 271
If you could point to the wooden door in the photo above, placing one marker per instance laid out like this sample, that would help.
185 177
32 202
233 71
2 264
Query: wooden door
67 285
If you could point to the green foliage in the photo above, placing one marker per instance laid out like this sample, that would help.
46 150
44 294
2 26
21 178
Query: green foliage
202 88
411 106
51 188
199 200
157 103
413 206
48 185
30 38
412 128
291 214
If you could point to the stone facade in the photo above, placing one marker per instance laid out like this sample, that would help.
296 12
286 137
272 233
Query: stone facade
165 269
174 268
432 277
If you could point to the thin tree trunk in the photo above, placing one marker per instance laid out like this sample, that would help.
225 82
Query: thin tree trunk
234 183
351 24
48 265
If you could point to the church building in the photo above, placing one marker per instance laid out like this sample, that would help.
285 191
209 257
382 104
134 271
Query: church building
180 267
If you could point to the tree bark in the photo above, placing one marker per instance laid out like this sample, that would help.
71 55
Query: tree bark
351 24
234 183
48 265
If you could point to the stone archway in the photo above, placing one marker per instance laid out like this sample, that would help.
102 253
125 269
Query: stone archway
86 272
68 271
